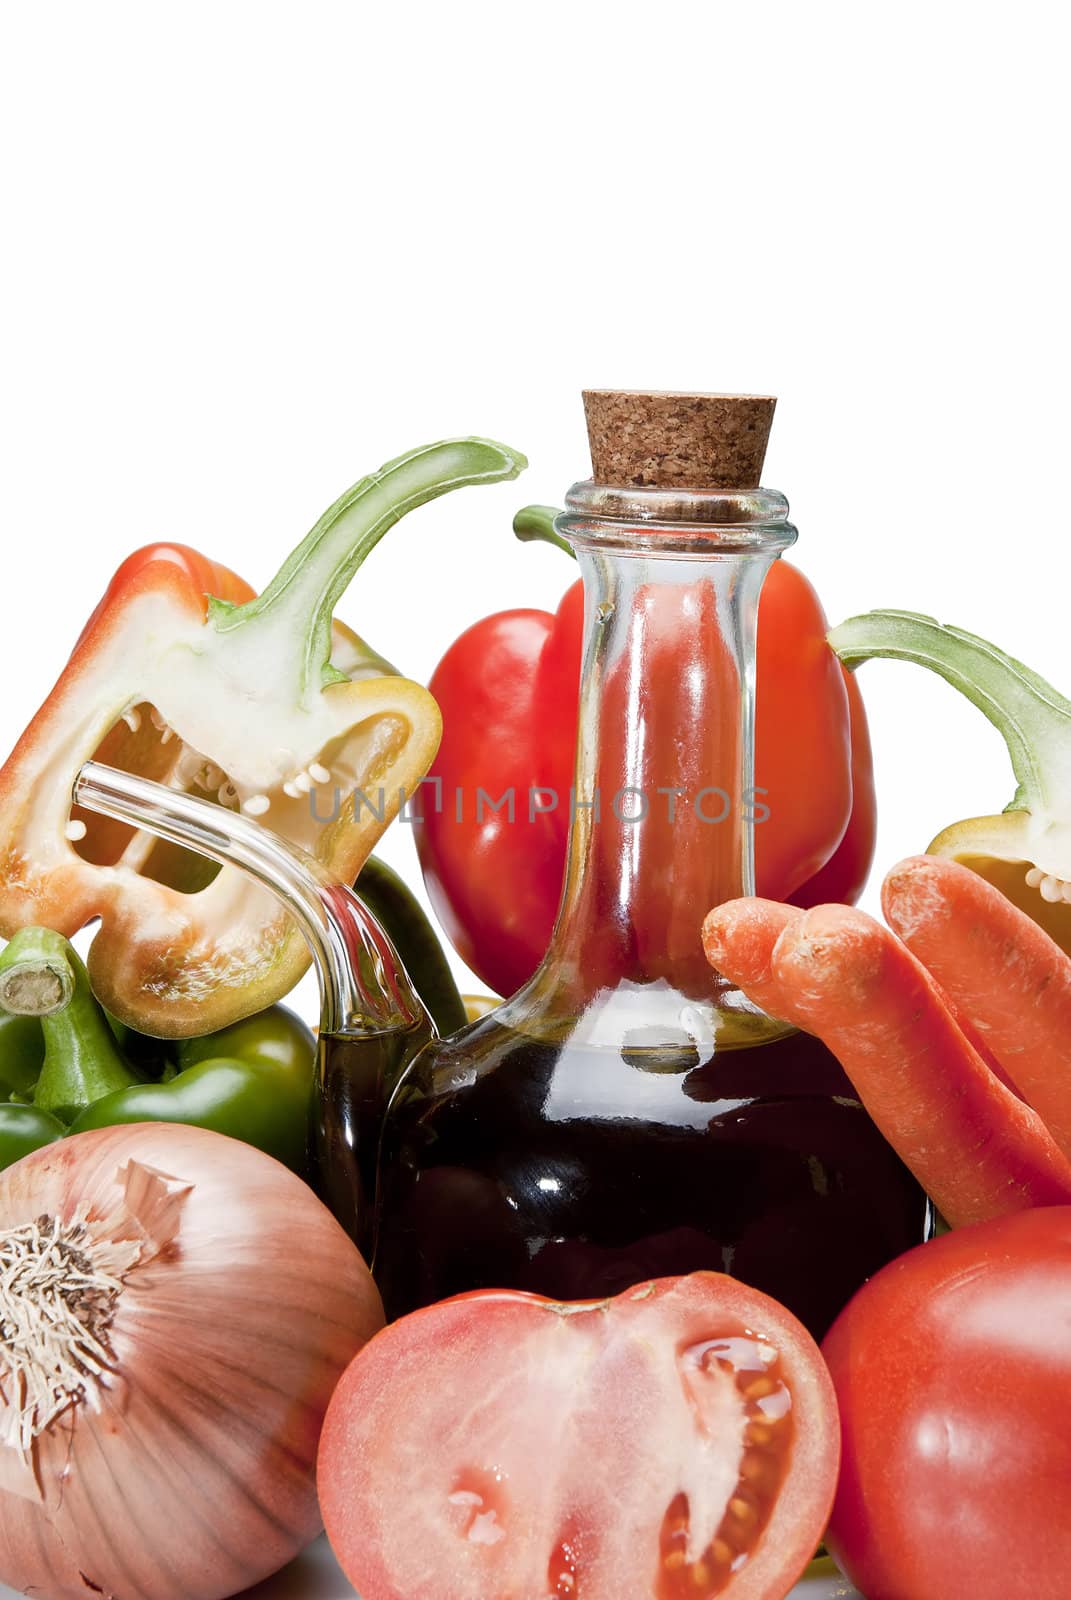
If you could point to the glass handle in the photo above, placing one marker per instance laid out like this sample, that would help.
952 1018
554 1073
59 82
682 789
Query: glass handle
363 983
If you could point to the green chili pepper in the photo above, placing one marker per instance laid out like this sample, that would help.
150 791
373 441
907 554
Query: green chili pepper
252 1080
24 1129
393 903
22 1050
42 977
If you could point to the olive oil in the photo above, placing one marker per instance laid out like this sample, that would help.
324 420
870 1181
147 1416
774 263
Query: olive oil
509 1162
355 1074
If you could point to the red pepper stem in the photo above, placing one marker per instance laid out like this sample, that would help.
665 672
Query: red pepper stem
535 525
299 602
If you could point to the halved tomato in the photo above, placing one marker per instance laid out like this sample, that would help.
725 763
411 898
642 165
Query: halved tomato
676 1443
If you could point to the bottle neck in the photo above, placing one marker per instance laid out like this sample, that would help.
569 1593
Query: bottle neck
663 804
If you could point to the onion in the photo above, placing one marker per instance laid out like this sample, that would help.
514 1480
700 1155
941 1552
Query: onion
175 1311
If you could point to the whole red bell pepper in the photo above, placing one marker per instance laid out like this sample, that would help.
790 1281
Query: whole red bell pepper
508 692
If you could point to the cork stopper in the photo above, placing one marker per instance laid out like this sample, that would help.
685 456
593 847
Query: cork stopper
677 441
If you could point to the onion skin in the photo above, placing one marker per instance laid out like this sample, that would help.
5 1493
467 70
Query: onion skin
193 1476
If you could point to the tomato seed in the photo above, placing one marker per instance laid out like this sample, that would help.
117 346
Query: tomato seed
768 1433
562 1571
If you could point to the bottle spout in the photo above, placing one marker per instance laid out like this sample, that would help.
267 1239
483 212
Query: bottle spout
364 987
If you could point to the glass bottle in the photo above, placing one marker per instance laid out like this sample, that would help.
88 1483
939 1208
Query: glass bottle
628 1114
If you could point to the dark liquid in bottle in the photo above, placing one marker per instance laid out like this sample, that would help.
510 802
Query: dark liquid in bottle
356 1074
578 1171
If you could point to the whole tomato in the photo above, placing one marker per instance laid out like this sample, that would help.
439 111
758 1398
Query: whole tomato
953 1372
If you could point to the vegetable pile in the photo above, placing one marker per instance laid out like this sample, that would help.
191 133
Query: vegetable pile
195 1376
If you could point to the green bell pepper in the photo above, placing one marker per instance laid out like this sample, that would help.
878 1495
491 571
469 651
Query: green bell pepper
59 1049
22 1053
150 1058
252 1080
24 1129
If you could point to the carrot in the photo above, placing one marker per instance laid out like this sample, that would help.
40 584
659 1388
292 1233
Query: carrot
752 927
976 1148
1000 968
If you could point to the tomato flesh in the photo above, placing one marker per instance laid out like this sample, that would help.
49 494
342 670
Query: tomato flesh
953 1371
679 1442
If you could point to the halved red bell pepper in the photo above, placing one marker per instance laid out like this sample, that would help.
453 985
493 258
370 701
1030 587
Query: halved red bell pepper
182 676
508 691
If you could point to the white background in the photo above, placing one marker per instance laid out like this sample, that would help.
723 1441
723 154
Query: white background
251 250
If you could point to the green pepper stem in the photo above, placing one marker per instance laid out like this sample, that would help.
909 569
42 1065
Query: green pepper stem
299 602
535 525
41 975
36 977
1031 717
